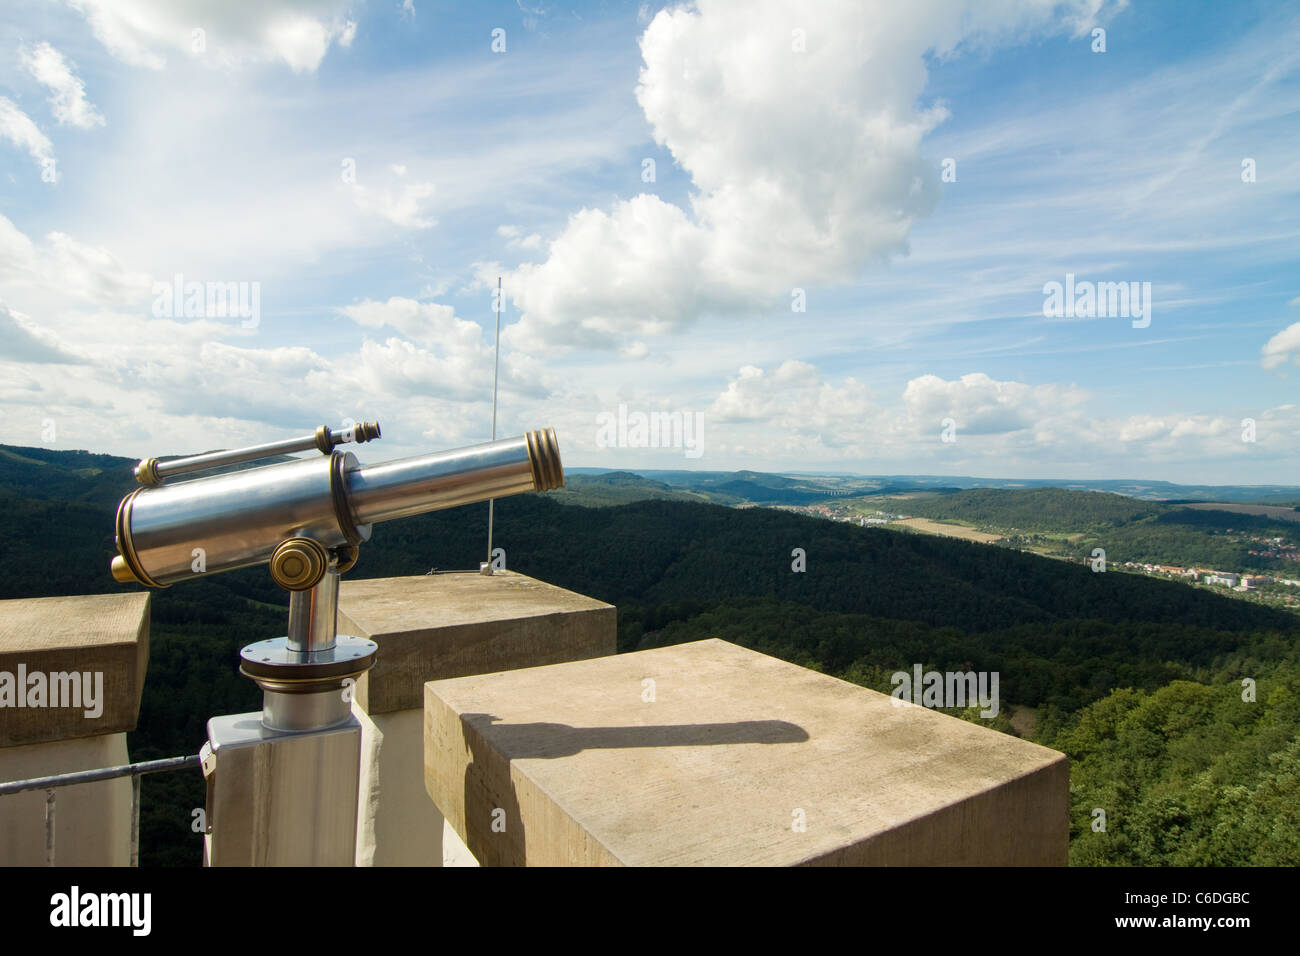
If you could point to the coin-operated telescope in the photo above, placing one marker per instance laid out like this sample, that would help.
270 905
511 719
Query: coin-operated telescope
306 518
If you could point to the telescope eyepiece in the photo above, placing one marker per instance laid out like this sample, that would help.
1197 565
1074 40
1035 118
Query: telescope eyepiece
326 438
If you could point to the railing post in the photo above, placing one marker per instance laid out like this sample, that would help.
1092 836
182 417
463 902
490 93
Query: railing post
49 826
135 818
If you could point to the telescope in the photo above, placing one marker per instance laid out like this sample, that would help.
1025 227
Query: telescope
306 518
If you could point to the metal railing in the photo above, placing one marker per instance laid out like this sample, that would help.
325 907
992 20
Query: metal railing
133 770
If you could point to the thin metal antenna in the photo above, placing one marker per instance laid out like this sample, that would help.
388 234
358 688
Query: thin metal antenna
496 369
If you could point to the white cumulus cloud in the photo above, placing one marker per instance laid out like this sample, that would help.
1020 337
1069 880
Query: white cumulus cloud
797 404
800 126
981 405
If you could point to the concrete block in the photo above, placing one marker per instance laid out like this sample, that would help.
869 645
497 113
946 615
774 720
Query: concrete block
432 626
444 625
709 754
81 659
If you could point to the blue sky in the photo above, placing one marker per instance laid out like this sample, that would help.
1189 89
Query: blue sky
373 167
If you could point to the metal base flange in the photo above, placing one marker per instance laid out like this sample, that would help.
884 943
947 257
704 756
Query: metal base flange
306 691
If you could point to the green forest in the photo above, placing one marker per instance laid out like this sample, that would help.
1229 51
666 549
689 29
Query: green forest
1139 681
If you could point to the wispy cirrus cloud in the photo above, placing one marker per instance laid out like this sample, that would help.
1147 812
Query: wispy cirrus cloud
1282 348
68 100
21 131
231 34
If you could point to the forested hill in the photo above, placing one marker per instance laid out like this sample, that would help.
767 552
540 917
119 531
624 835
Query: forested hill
616 488
69 476
653 553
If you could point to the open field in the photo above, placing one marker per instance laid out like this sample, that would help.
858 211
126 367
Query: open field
947 530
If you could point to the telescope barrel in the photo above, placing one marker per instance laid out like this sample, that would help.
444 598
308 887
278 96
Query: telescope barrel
179 531
411 486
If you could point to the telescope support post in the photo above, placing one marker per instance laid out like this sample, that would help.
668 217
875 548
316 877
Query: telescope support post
287 789
314 614
307 677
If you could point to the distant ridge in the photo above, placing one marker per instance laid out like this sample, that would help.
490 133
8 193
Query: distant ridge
747 483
